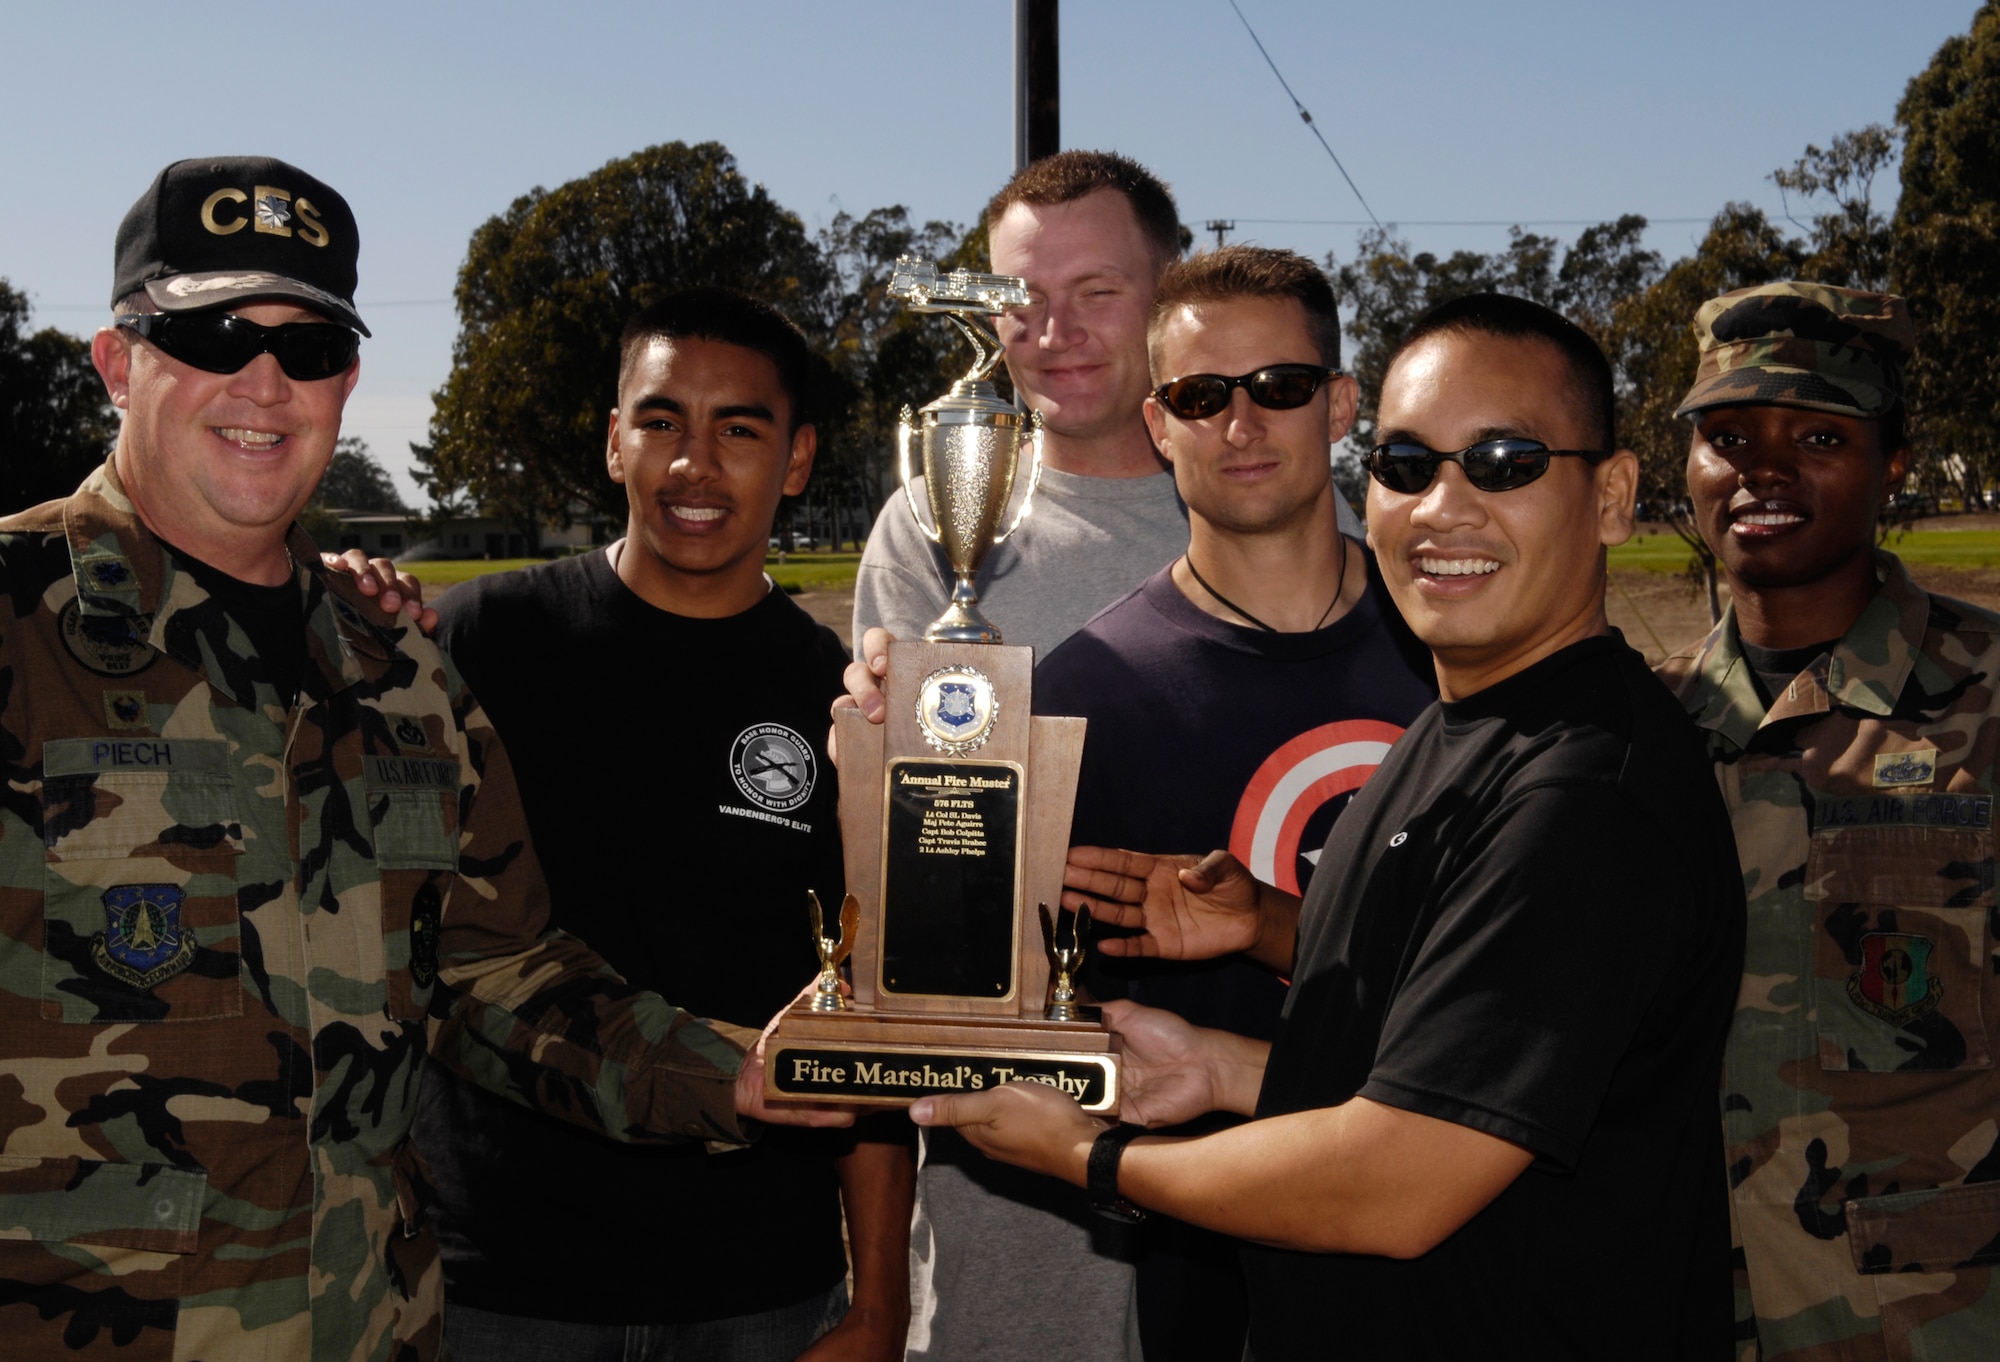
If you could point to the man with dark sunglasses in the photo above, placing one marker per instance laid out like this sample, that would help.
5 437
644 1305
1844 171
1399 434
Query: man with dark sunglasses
1241 693
1090 231
1484 1124
261 851
1854 723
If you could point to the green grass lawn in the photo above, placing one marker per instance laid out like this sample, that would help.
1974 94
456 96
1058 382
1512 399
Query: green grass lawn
1942 548
799 571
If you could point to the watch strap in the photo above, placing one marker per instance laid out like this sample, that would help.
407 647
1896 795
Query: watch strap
1101 1173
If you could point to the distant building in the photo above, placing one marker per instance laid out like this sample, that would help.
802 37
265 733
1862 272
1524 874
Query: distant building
393 534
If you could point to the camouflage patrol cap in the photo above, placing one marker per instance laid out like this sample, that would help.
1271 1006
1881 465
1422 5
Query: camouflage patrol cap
1795 344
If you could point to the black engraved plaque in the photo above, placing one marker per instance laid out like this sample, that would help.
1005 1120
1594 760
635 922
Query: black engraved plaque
951 845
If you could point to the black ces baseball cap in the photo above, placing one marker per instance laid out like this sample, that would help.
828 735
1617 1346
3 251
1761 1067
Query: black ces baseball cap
224 229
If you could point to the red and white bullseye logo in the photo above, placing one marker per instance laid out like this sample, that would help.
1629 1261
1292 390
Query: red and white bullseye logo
1294 783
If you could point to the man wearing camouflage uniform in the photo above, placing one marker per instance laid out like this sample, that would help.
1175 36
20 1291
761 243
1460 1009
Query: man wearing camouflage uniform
257 850
1854 723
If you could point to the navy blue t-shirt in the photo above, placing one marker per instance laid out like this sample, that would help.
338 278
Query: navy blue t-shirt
1207 734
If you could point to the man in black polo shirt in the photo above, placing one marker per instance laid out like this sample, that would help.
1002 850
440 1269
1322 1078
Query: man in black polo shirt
1484 1126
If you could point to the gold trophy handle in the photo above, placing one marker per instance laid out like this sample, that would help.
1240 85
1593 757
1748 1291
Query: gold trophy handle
1034 480
906 426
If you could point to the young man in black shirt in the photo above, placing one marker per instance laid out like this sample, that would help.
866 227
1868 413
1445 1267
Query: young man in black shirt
1244 691
680 826
1484 1126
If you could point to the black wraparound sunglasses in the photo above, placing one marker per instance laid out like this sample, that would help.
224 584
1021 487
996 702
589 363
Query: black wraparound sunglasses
220 343
1279 387
1490 465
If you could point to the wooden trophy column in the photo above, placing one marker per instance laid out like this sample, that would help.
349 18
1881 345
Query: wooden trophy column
955 816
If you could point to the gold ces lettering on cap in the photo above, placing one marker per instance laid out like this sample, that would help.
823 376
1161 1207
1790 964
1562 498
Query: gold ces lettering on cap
311 230
208 211
273 210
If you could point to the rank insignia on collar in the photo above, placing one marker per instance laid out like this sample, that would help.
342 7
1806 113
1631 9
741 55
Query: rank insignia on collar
110 572
143 943
426 913
1894 982
1906 768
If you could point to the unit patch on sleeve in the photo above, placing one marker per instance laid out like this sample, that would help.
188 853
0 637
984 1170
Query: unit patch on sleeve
773 767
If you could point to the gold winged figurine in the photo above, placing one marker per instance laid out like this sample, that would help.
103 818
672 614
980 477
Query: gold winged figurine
1063 1005
826 998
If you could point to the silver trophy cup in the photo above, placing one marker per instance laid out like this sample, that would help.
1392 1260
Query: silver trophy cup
970 441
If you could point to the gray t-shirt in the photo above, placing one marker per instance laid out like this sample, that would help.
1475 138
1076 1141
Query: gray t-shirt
1086 542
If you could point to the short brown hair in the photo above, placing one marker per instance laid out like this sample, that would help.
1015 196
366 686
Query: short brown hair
1248 272
1069 175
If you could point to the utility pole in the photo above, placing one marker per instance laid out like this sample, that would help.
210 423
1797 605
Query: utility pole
1219 227
1037 87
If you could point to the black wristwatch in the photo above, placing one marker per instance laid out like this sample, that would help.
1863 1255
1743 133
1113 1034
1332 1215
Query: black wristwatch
1101 1181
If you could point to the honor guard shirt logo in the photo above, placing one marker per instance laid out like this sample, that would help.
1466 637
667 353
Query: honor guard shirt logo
773 767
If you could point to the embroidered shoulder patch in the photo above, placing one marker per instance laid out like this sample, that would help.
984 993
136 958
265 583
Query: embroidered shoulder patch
1894 981
143 942
110 645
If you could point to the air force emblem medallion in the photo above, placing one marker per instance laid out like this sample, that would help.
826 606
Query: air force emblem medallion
143 943
956 708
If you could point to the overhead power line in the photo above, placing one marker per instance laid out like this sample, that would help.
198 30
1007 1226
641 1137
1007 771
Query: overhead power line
1304 116
1463 222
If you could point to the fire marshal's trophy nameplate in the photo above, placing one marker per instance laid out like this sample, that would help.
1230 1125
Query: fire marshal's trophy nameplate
955 811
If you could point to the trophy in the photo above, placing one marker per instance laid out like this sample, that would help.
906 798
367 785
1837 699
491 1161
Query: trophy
970 440
954 812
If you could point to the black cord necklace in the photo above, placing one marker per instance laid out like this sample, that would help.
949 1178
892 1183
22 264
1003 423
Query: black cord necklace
1339 582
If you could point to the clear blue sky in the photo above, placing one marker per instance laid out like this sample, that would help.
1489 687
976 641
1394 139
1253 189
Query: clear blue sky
432 117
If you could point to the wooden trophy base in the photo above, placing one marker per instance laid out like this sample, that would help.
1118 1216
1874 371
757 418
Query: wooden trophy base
875 1059
954 815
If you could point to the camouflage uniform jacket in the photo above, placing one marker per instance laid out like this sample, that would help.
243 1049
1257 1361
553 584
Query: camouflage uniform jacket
1860 1092
226 928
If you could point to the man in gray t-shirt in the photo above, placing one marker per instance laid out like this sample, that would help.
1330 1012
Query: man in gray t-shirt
999 1267
1090 232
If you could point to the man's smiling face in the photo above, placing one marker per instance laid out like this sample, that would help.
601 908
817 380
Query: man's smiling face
1495 581
1077 353
206 456
703 442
